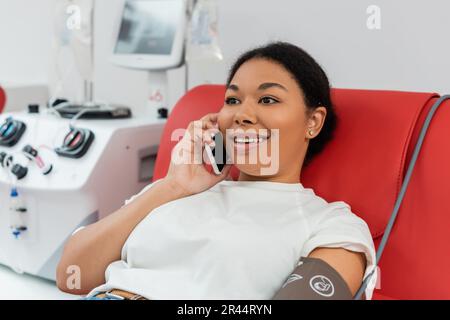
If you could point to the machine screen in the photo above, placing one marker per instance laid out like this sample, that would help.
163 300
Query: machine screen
148 27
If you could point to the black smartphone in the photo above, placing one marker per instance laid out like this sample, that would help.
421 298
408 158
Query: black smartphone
218 154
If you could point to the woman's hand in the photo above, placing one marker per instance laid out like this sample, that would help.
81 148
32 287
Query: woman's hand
187 170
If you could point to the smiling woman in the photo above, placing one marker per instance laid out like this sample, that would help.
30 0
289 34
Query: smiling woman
195 235
294 98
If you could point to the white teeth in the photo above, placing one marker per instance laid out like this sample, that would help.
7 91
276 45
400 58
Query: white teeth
248 140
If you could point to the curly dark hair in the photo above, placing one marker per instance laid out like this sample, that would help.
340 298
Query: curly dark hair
311 79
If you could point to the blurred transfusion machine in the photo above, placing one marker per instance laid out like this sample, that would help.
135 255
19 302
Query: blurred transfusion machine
67 165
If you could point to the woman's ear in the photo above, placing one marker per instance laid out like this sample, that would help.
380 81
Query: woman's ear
315 122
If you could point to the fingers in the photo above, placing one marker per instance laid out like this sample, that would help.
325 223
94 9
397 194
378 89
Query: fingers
210 117
225 171
198 134
209 121
203 129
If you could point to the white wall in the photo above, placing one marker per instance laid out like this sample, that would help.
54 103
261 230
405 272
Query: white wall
409 52
24 40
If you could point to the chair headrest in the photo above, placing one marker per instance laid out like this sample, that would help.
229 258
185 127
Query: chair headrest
364 164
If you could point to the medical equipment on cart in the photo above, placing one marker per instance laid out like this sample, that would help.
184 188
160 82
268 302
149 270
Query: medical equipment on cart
67 165
53 181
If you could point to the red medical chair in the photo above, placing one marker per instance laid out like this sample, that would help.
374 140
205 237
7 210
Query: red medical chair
364 166
2 99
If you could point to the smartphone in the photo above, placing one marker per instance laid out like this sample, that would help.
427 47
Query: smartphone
217 155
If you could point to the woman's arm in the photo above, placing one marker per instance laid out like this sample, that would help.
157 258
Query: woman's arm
326 274
94 247
349 264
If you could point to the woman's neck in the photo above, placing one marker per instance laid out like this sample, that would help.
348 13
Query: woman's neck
286 178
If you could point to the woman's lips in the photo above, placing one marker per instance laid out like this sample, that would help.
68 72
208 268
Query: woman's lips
244 140
244 144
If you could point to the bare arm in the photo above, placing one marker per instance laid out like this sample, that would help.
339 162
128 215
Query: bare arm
94 247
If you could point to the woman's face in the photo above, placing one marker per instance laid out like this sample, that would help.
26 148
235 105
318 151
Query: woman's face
265 122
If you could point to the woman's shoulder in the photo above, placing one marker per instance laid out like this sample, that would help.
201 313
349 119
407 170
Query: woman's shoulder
326 212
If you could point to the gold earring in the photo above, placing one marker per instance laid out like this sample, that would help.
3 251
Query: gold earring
311 132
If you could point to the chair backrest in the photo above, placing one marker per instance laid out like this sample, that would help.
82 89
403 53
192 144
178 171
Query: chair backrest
365 162
2 99
416 261
364 165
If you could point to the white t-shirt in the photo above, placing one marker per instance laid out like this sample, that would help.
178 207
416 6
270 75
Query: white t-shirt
237 240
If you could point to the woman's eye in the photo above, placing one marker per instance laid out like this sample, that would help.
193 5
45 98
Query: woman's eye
268 100
231 101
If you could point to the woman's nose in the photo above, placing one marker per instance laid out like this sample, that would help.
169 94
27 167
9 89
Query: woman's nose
245 115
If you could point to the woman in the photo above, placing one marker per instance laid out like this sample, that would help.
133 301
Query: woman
196 235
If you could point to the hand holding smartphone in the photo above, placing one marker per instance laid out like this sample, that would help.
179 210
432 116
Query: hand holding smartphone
185 170
217 155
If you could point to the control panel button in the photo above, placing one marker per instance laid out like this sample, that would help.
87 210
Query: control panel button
76 143
19 171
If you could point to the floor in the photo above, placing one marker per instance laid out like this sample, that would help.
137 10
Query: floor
26 287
